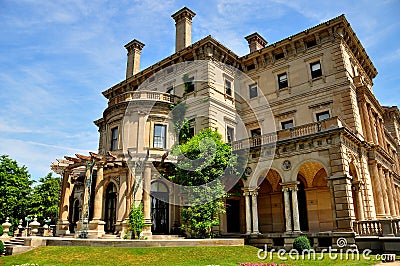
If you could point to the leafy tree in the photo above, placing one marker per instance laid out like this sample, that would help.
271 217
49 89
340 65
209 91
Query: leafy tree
136 220
15 190
202 159
45 197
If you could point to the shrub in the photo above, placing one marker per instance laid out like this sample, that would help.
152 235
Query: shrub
1 248
301 243
1 230
136 220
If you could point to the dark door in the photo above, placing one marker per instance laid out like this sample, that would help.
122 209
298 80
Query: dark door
233 215
302 202
110 210
159 208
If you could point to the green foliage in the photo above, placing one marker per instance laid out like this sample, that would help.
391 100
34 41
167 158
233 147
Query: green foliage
45 197
181 125
301 243
1 247
15 190
1 230
202 159
136 220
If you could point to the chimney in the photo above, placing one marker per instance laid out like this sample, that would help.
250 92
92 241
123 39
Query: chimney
134 50
256 42
183 25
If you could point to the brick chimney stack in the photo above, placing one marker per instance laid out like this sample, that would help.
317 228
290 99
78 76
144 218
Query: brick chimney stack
256 42
134 50
183 25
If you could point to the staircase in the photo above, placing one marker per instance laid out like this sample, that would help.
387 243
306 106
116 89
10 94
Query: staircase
15 246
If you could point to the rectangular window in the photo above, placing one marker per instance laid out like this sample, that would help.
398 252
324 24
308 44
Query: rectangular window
228 87
316 69
189 85
253 90
323 115
170 90
114 138
230 134
311 43
159 140
282 80
279 56
251 67
287 124
255 132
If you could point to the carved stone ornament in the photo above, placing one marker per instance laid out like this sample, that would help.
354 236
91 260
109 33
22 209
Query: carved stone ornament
286 165
247 171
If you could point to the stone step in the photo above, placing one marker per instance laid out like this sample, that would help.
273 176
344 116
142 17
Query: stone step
166 237
108 236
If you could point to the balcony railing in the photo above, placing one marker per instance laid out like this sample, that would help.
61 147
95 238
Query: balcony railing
384 227
143 95
294 132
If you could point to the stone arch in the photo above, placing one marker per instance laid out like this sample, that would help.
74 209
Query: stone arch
270 203
110 206
318 198
159 193
297 167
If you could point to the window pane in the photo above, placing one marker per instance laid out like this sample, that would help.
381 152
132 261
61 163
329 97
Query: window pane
114 138
159 136
287 124
315 67
253 90
228 89
283 81
323 116
229 134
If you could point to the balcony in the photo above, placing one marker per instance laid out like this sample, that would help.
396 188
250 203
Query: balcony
143 95
295 132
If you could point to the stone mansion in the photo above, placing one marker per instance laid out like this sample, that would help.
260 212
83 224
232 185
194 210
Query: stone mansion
323 153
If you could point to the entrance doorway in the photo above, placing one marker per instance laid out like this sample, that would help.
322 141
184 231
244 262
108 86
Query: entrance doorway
110 217
159 208
233 215
302 203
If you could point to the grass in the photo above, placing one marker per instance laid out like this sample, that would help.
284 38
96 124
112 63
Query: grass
156 256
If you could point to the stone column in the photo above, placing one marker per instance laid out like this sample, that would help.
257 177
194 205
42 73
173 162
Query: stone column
390 188
373 129
376 188
248 211
384 190
246 195
359 198
63 224
379 131
397 203
146 200
96 226
366 122
288 213
382 129
295 204
254 211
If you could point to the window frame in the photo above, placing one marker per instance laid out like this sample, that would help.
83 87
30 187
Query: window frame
284 84
230 137
253 91
114 139
287 122
228 87
163 139
322 113
316 73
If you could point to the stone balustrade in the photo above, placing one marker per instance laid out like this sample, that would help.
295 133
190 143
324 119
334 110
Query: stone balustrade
143 95
384 227
300 131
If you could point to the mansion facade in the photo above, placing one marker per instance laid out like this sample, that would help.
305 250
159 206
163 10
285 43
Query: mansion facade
322 153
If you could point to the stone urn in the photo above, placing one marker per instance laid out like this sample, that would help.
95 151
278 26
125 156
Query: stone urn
34 226
6 227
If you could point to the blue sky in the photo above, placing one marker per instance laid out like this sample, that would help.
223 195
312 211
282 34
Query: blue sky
56 57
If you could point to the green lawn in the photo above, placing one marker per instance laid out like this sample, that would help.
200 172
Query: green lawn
154 256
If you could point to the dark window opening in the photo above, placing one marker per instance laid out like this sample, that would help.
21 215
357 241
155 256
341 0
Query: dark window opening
189 85
230 134
253 90
228 87
255 132
170 90
169 70
114 138
251 67
159 140
152 78
311 43
323 115
279 56
287 124
283 80
316 69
